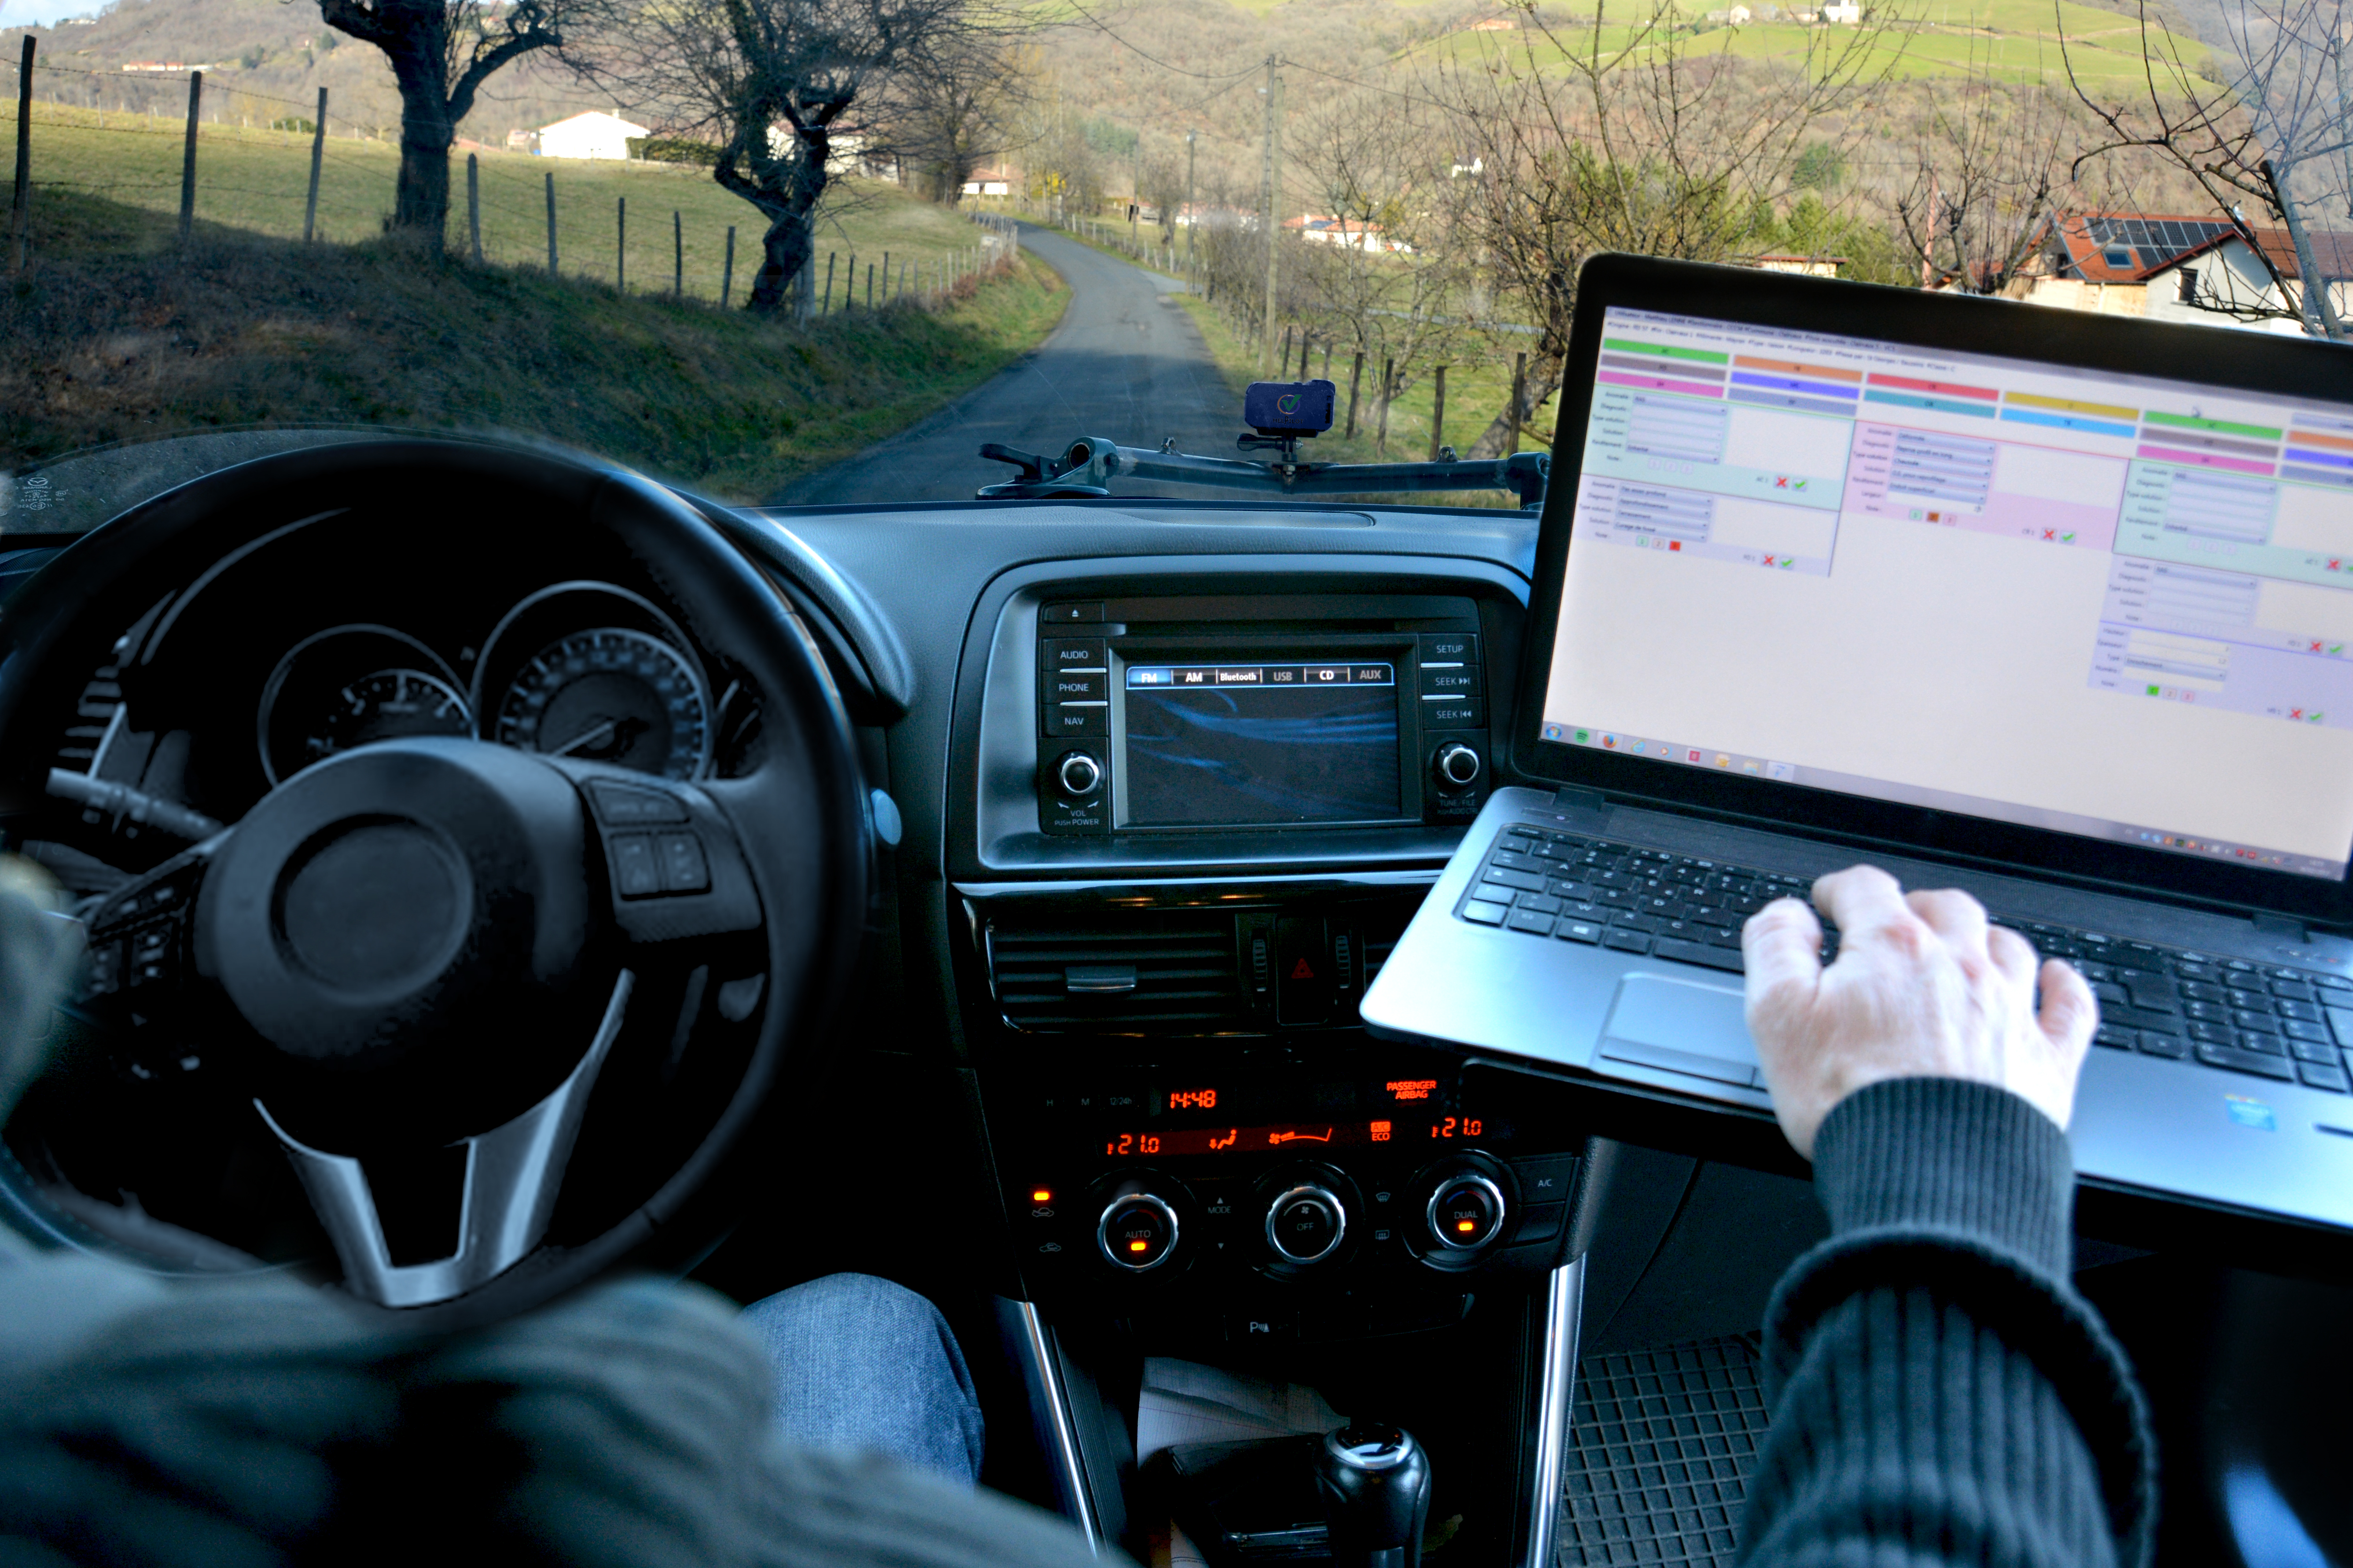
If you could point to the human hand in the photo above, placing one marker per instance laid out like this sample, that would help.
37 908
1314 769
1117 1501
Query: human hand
1922 987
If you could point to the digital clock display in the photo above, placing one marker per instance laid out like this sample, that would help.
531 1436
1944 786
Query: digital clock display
1192 1099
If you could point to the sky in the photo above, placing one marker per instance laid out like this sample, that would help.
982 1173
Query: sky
23 12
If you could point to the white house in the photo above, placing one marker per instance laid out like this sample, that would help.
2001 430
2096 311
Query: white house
595 135
2172 267
1848 12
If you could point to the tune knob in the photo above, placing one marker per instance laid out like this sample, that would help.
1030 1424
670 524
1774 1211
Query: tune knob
1466 1211
1306 1224
1457 764
1078 774
1137 1232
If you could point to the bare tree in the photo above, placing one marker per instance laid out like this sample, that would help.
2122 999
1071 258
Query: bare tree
956 104
1630 129
2267 118
441 52
774 84
1994 164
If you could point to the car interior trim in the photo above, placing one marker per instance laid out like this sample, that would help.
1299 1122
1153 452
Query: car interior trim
1564 1301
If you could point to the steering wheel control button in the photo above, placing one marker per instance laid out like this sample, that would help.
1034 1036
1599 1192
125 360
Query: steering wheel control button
636 873
1305 1224
1466 1211
1137 1232
683 868
619 805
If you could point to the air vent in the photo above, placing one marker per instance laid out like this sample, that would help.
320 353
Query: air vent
1127 973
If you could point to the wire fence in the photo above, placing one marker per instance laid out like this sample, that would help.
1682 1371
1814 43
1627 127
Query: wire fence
223 155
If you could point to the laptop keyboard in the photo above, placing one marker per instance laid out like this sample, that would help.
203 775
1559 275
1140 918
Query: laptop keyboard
2287 1025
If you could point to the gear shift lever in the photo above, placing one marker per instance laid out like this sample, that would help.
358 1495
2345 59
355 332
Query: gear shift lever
1374 1481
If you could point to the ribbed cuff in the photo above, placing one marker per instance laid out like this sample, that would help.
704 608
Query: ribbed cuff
1952 1155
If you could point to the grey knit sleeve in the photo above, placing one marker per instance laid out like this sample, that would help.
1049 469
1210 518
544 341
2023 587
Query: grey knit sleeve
1940 1394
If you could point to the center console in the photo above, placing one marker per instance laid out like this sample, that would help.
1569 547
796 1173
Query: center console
1199 820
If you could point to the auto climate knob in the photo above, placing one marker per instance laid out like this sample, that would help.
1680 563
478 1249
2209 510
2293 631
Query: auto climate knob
1457 764
1306 1224
1078 774
1466 1211
1137 1232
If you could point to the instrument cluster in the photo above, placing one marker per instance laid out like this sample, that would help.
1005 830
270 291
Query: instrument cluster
578 669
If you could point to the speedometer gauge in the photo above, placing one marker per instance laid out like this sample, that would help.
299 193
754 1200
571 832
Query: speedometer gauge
610 695
387 703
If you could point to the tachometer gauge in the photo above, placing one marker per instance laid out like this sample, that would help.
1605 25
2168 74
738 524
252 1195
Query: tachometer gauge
383 705
610 695
349 685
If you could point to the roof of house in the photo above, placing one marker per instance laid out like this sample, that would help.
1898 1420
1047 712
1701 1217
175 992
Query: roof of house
2127 247
596 116
2132 247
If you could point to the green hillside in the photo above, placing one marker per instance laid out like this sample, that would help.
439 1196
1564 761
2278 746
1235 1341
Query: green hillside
256 180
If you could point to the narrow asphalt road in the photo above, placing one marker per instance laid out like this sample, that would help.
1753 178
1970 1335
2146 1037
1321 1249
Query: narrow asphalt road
1126 362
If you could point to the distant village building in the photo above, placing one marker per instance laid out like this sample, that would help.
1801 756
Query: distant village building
2172 267
1349 233
154 66
1848 14
595 135
1804 265
989 182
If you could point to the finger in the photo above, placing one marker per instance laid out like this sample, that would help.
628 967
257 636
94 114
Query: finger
2070 1012
1860 897
1781 947
2011 953
1952 915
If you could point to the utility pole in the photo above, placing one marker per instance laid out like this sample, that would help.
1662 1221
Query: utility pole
1273 177
1192 218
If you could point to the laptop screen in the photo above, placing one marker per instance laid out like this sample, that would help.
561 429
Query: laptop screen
2111 606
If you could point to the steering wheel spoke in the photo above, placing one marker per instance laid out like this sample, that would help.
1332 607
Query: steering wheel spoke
513 1174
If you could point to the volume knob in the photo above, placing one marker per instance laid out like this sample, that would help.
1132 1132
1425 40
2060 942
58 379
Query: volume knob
1458 764
1078 774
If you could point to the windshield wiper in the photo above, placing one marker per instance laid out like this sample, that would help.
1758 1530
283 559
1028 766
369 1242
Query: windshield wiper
1087 465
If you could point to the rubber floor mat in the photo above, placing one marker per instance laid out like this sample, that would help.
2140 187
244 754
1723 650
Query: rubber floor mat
1659 1453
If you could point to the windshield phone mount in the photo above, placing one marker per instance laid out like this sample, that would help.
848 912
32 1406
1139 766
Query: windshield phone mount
1281 415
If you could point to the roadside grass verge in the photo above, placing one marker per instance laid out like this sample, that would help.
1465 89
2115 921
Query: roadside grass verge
117 333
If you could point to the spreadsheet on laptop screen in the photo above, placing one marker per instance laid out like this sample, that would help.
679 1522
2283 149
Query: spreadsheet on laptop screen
2119 607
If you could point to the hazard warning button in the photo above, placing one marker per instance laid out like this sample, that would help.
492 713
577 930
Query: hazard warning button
1304 962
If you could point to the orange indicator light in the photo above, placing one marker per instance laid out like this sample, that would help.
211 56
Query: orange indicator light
1139 1247
1466 1224
1042 1196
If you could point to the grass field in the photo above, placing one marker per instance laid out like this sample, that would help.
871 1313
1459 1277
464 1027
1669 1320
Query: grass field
117 332
256 180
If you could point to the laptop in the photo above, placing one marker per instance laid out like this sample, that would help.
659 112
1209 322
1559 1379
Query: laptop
2051 606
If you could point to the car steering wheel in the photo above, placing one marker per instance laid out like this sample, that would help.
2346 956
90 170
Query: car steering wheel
419 957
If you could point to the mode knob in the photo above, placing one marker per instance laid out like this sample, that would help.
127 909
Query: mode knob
1466 1211
1078 774
1137 1232
1306 1224
1457 764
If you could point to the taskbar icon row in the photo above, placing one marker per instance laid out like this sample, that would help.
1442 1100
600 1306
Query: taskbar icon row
1680 753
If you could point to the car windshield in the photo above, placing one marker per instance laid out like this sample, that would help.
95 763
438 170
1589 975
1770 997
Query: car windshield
825 252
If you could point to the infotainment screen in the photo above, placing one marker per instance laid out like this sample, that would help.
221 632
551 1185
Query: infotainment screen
1249 742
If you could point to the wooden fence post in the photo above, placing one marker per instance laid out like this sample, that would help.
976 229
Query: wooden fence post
727 272
550 223
20 211
849 281
621 245
886 281
826 305
317 152
1437 417
1519 390
474 205
189 157
1355 378
870 282
677 255
1388 381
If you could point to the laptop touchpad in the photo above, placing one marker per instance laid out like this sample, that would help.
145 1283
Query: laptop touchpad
1684 1026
